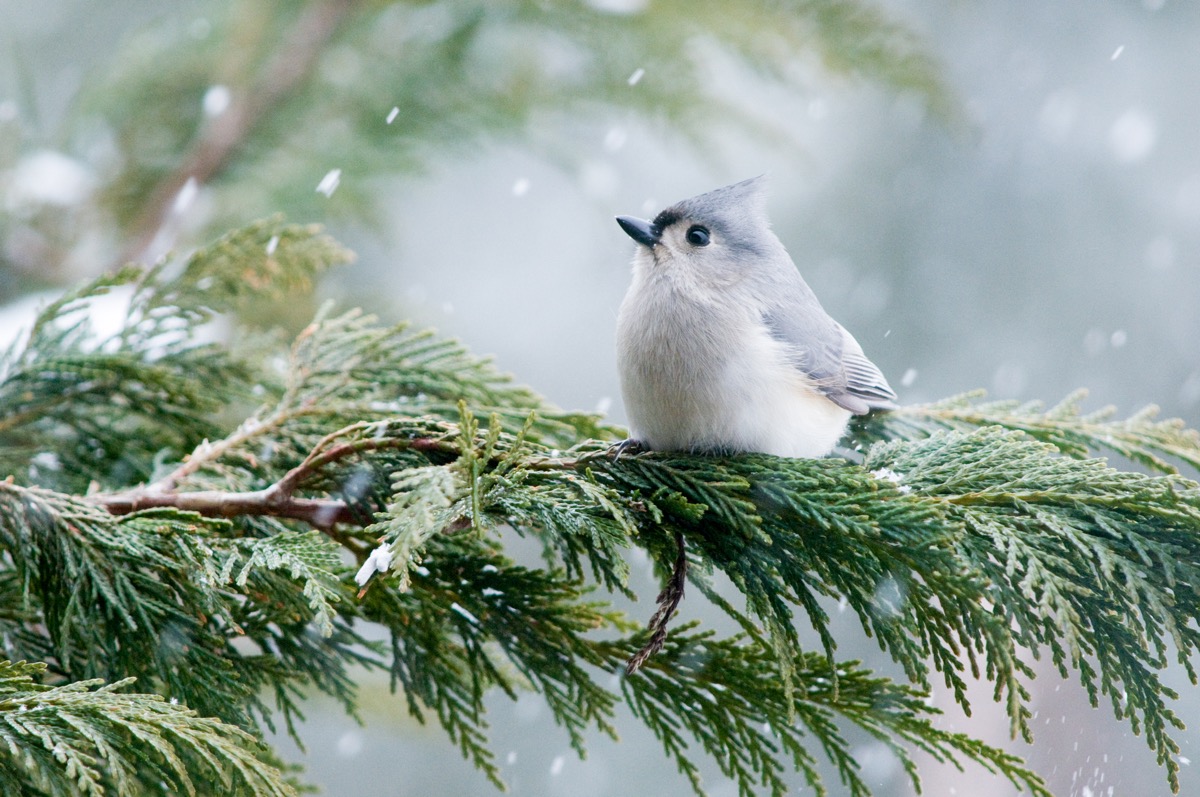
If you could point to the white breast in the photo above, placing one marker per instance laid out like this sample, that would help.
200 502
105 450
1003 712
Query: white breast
706 378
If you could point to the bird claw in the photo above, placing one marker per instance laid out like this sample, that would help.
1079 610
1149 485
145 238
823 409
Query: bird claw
627 446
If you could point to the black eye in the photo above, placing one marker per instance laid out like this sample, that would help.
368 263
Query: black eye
697 235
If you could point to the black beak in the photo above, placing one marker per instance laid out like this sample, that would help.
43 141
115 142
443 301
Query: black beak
639 230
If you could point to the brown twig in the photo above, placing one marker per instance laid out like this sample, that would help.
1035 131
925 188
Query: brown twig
668 601
322 455
219 140
208 452
321 513
279 499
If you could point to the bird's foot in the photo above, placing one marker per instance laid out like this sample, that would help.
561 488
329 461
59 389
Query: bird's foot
626 446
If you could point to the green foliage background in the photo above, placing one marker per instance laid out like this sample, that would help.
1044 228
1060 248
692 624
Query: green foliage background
302 88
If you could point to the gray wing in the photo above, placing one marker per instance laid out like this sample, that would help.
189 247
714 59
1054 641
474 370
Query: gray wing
826 353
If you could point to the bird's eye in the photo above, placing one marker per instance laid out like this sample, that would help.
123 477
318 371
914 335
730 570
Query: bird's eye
697 235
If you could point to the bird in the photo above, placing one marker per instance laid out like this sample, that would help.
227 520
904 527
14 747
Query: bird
722 347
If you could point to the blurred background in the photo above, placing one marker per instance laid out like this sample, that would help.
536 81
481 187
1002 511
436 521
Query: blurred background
995 195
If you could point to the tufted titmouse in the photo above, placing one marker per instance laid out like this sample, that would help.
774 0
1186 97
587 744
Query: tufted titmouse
723 347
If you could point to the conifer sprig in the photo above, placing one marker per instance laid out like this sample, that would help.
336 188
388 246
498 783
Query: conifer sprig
88 738
85 406
773 726
170 596
1159 445
1099 566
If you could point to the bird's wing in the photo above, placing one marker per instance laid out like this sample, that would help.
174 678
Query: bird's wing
831 358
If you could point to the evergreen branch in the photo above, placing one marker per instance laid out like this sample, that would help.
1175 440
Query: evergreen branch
917 570
349 371
903 540
1140 438
265 259
89 738
278 500
65 392
790 531
962 549
435 672
352 441
962 552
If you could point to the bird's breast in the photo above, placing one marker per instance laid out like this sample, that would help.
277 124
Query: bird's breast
699 376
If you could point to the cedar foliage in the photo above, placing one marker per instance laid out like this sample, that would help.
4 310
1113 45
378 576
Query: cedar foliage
182 520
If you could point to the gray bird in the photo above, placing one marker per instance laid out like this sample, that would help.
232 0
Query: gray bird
723 347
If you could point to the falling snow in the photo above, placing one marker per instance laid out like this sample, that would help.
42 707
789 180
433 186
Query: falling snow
46 177
329 183
186 196
1133 136
216 100
619 6
351 743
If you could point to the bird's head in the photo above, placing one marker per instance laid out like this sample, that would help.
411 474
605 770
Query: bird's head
717 237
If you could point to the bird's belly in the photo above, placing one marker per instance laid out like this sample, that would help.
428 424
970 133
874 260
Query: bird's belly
757 401
788 420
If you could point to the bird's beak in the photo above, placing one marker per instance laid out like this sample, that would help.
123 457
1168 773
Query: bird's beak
640 230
